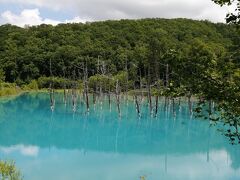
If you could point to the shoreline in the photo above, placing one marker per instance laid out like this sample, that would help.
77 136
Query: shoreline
130 93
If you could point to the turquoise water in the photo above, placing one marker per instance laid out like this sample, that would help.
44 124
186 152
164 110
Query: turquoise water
100 145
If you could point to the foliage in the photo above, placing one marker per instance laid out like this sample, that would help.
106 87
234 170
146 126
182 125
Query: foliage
101 81
57 82
8 171
225 88
27 54
7 89
231 17
122 78
33 85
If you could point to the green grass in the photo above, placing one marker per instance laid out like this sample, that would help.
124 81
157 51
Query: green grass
8 89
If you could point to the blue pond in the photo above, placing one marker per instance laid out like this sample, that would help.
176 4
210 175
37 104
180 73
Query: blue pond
100 145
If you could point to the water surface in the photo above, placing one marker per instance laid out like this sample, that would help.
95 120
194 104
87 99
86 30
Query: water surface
100 145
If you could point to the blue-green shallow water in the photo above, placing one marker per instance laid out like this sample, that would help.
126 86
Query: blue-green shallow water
62 145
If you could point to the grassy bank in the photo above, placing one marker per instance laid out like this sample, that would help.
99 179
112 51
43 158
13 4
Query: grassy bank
12 89
9 89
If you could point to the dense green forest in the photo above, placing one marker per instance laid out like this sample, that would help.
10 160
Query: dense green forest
177 57
26 53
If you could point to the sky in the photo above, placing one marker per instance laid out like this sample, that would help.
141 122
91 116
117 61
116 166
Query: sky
35 12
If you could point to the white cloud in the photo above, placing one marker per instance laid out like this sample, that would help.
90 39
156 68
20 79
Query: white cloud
32 17
78 20
115 9
26 17
76 164
24 150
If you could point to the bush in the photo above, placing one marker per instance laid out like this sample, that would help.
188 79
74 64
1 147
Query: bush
7 89
110 82
9 171
98 80
58 83
20 82
33 85
123 81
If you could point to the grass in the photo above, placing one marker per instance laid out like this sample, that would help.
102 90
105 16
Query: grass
9 89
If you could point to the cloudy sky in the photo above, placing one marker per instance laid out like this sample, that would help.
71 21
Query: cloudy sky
34 12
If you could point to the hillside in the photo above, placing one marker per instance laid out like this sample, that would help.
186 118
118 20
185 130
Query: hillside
25 53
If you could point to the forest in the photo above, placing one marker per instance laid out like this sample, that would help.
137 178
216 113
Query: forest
160 57
26 53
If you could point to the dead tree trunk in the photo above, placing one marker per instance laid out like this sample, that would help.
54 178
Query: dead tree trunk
149 98
100 91
149 91
86 86
136 101
51 93
141 86
167 75
173 106
64 85
157 98
65 95
156 105
127 80
189 103
109 99
94 96
86 92
74 99
109 93
179 101
137 104
118 97
166 85
51 87
210 108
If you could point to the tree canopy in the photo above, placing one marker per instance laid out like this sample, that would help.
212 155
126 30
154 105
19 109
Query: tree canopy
26 52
